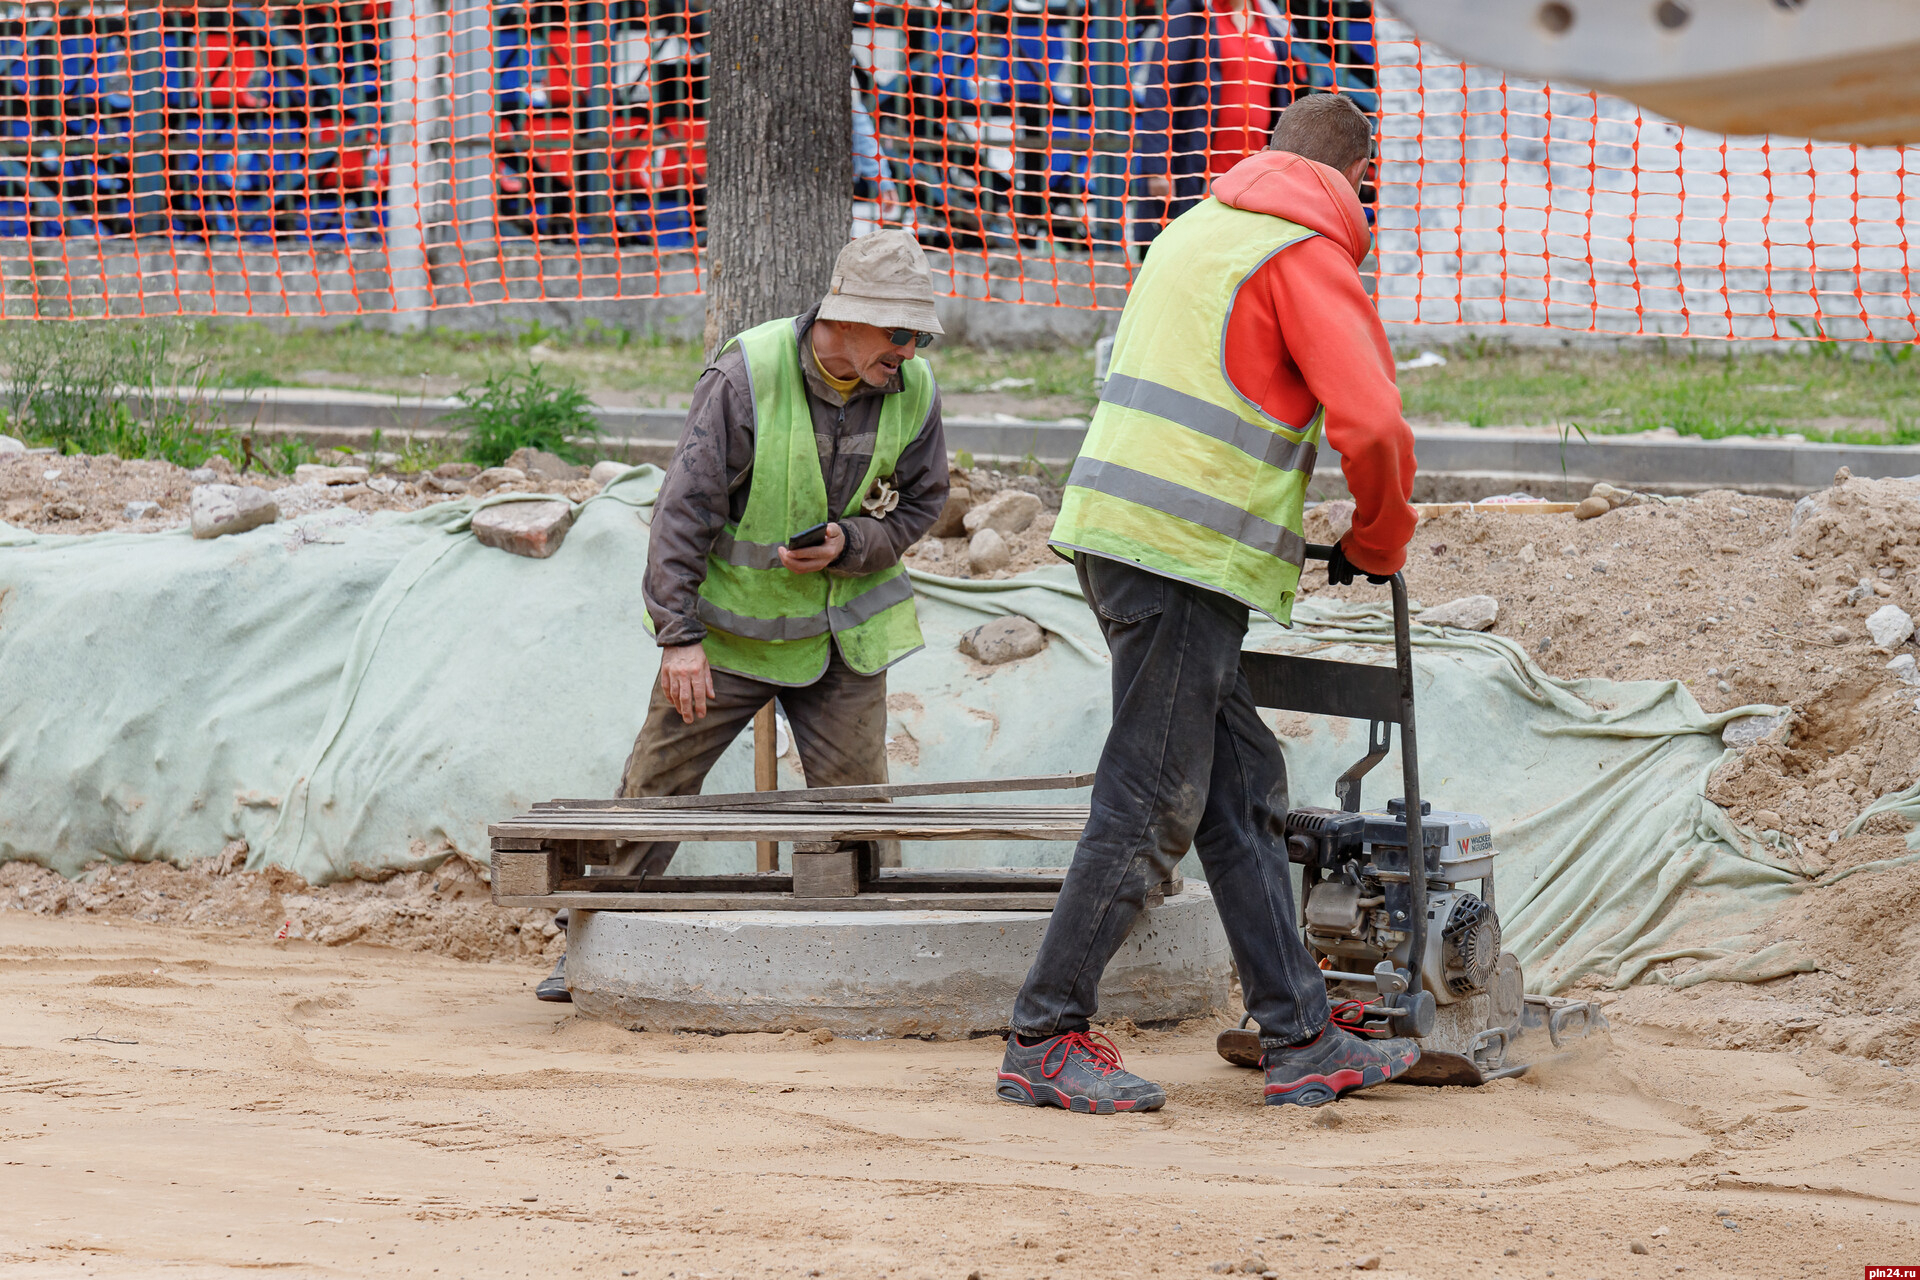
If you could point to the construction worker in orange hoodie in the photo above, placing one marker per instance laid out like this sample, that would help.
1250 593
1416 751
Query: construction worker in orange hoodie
1247 335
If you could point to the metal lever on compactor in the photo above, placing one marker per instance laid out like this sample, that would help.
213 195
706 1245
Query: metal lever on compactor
1412 1013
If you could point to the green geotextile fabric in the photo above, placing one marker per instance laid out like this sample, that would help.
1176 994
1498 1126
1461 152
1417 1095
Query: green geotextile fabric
351 694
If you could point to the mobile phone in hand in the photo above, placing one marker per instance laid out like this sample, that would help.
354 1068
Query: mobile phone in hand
809 537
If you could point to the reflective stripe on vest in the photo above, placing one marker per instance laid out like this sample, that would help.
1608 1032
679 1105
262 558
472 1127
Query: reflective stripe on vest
763 620
1181 473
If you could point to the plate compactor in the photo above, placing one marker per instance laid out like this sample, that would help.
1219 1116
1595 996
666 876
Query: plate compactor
1408 949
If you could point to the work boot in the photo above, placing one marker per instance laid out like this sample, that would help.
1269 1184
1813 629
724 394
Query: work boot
553 987
1333 1064
1078 1071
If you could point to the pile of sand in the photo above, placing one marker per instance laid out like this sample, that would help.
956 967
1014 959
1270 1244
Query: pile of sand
447 911
82 493
1027 549
1732 595
1747 600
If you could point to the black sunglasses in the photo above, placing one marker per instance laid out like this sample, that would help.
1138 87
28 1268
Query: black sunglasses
901 337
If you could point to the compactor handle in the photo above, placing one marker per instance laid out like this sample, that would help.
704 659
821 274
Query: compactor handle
1409 770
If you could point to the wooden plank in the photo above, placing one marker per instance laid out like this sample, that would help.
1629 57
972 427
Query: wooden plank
778 827
891 880
524 873
787 902
510 842
766 777
550 817
832 795
825 870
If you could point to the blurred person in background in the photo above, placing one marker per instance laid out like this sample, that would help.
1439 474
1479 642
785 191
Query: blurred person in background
1213 87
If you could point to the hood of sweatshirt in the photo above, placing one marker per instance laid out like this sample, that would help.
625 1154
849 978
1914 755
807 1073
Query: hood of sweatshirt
1300 190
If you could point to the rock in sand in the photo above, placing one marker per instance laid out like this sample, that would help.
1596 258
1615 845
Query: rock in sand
952 522
9 445
316 473
138 510
1588 508
606 471
218 509
1470 613
1008 511
538 462
531 529
493 477
1904 669
1889 625
987 552
1003 640
1747 730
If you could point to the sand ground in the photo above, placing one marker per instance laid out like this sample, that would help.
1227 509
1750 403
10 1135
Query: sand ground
176 1102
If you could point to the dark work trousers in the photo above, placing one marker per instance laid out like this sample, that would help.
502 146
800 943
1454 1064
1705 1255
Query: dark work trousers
839 723
1188 761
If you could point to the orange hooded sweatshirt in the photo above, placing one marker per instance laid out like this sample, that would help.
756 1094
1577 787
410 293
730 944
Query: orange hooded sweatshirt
1303 332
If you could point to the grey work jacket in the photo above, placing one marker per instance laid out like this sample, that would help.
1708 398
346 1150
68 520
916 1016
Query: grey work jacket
708 481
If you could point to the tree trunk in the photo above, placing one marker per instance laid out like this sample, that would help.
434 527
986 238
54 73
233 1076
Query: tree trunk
779 158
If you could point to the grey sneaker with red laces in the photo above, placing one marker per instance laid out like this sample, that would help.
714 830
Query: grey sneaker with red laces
1079 1071
1333 1064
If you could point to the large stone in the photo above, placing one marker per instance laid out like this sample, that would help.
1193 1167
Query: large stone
987 552
532 529
1003 640
1743 732
315 473
1588 508
944 974
217 509
9 445
1471 613
494 477
952 520
606 471
1889 625
1006 512
538 462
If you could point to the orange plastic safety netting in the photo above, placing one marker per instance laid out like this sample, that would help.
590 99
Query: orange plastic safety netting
399 155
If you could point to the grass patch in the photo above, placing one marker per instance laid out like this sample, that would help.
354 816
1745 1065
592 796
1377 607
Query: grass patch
435 361
521 409
135 391
1828 393
1067 373
601 358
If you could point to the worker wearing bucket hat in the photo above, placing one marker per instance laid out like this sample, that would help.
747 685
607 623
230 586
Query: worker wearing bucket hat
812 458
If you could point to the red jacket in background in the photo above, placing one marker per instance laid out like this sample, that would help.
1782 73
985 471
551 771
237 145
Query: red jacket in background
1303 332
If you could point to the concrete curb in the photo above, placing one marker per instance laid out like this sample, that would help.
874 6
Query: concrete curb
1455 463
944 975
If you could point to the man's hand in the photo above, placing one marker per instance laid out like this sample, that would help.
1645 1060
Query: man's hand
687 680
814 559
1340 570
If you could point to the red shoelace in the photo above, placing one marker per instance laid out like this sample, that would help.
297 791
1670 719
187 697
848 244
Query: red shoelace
1350 1014
1103 1055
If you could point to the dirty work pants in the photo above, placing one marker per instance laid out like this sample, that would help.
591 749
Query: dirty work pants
839 722
1187 762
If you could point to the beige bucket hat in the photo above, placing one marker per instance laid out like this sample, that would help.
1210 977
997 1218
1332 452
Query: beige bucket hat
883 279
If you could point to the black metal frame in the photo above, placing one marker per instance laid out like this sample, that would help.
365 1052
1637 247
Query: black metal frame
1382 696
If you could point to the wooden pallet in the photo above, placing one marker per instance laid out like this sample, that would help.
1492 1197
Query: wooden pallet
544 857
